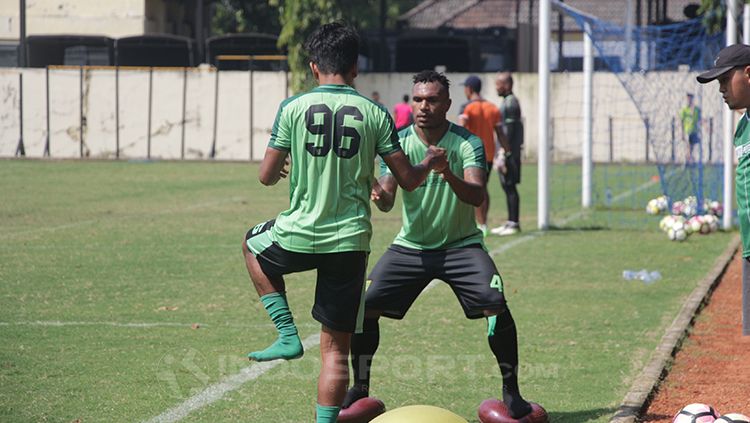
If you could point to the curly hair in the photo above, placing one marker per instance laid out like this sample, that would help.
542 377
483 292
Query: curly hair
432 76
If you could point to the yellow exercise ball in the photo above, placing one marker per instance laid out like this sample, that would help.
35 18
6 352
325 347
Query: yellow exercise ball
419 414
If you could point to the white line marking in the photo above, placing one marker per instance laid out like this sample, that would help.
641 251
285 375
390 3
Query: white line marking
216 391
640 188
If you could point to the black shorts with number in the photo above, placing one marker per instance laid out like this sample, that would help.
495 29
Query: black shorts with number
340 282
402 273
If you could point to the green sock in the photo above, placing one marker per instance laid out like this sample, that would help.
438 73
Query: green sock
288 346
326 413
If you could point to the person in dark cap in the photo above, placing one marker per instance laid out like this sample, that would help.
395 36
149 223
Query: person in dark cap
481 118
732 70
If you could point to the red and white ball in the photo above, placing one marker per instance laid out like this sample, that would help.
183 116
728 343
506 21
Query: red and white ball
696 413
733 418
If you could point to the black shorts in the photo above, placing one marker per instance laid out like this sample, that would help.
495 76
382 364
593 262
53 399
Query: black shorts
694 138
340 283
512 175
402 273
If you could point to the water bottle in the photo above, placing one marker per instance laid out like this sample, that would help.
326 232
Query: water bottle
642 275
653 277
608 197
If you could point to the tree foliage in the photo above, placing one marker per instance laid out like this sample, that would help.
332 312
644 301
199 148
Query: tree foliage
714 14
233 16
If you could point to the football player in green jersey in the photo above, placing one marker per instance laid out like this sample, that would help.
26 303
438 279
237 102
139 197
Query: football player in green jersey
332 135
439 240
732 69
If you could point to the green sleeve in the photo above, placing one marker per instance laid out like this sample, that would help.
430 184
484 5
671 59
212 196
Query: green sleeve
472 153
280 135
387 136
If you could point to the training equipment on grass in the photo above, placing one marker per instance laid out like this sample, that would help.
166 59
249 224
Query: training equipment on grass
362 411
495 411
419 414
733 418
696 413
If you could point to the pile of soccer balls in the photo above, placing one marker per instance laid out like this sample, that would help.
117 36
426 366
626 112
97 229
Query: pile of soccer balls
678 228
702 413
684 219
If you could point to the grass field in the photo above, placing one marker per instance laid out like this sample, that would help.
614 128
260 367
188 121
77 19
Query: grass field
106 266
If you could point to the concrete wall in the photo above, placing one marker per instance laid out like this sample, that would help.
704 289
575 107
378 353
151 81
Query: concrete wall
97 104
619 130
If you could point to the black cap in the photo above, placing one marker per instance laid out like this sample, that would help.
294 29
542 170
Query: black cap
474 83
728 57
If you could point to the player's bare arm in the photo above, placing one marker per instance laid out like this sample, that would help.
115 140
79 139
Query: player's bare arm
470 189
274 166
410 177
383 192
502 137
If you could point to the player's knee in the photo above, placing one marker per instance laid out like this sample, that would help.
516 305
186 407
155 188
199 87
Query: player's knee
502 316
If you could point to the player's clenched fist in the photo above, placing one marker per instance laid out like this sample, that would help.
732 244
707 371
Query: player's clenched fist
377 191
438 161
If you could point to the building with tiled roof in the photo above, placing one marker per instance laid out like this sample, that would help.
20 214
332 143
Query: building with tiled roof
501 34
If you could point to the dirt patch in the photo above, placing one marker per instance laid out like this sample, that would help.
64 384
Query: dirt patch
713 366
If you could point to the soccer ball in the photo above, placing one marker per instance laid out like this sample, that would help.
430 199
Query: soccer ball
715 208
662 202
666 222
677 207
705 226
652 207
677 232
712 221
696 413
733 418
694 224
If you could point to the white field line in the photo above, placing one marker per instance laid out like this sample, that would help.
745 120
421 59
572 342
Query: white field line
120 216
625 194
216 391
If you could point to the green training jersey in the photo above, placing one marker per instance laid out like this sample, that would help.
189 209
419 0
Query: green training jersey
433 216
742 180
690 119
332 134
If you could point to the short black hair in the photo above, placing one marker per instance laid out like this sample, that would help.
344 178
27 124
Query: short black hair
406 98
432 76
333 47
